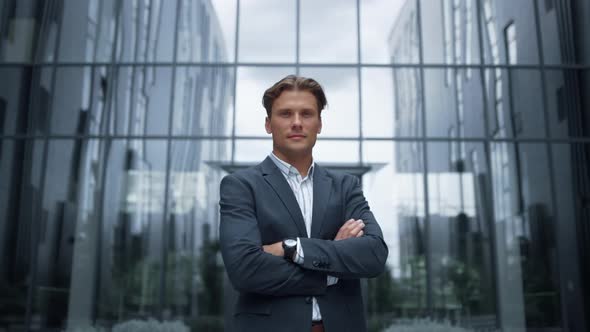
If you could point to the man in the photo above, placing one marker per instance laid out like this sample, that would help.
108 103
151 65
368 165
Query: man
295 237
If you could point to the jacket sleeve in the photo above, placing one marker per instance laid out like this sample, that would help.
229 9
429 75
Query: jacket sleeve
362 257
249 268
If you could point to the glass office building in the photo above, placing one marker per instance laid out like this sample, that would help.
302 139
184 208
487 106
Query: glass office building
467 121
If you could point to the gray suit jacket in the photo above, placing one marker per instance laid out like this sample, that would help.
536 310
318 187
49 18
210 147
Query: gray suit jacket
257 208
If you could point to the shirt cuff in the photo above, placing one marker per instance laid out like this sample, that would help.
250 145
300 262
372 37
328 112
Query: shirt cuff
298 255
332 280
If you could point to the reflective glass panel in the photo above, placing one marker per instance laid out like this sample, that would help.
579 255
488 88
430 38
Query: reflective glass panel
20 201
516 105
450 32
453 106
146 31
382 23
193 267
460 258
89 257
403 41
408 102
571 226
203 101
271 39
509 32
328 31
338 152
225 11
565 104
13 103
378 108
394 187
200 33
252 151
525 227
122 100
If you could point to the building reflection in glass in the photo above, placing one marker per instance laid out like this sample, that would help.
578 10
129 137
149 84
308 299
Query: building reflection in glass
118 120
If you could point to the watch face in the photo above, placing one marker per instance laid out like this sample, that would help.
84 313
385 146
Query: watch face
290 242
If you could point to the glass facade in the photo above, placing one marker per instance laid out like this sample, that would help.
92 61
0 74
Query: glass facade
467 120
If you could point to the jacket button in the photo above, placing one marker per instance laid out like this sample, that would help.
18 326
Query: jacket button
316 263
308 299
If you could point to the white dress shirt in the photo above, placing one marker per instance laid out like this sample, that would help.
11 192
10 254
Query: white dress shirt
303 189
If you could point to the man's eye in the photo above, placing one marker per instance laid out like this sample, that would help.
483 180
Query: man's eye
284 114
306 115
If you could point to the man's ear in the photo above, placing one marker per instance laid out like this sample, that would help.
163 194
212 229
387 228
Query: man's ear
267 125
320 127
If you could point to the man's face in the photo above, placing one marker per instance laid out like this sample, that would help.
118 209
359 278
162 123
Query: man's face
294 123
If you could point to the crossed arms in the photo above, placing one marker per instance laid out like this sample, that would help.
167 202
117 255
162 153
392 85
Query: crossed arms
357 251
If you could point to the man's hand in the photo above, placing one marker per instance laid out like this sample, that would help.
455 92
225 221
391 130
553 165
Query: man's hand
274 249
351 228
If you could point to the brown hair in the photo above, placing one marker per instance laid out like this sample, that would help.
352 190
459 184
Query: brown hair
293 82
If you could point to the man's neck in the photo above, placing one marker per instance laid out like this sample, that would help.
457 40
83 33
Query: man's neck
300 162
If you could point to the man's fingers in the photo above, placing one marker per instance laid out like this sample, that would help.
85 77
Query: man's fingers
351 228
360 234
349 223
357 228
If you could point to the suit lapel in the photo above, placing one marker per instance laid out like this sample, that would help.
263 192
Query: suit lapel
279 184
322 188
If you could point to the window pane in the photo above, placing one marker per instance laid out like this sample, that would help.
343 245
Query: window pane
142 31
566 102
338 152
261 40
194 270
408 104
328 37
377 102
394 188
66 98
518 42
379 20
404 38
515 103
341 117
251 84
252 151
13 100
525 227
225 11
460 257
88 260
201 37
19 29
146 31
127 100
202 101
572 234
20 197
457 103
437 31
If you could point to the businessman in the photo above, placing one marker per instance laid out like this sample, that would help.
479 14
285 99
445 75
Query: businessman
295 237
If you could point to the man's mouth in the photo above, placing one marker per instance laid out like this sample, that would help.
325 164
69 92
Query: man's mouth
296 136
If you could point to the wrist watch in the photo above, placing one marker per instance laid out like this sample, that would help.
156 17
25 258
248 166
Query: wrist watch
289 248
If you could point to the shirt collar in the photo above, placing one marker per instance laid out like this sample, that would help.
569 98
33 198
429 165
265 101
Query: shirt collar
288 169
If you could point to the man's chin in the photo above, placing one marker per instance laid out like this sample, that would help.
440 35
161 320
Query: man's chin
296 151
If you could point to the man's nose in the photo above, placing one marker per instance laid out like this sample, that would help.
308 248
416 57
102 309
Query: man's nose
297 120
